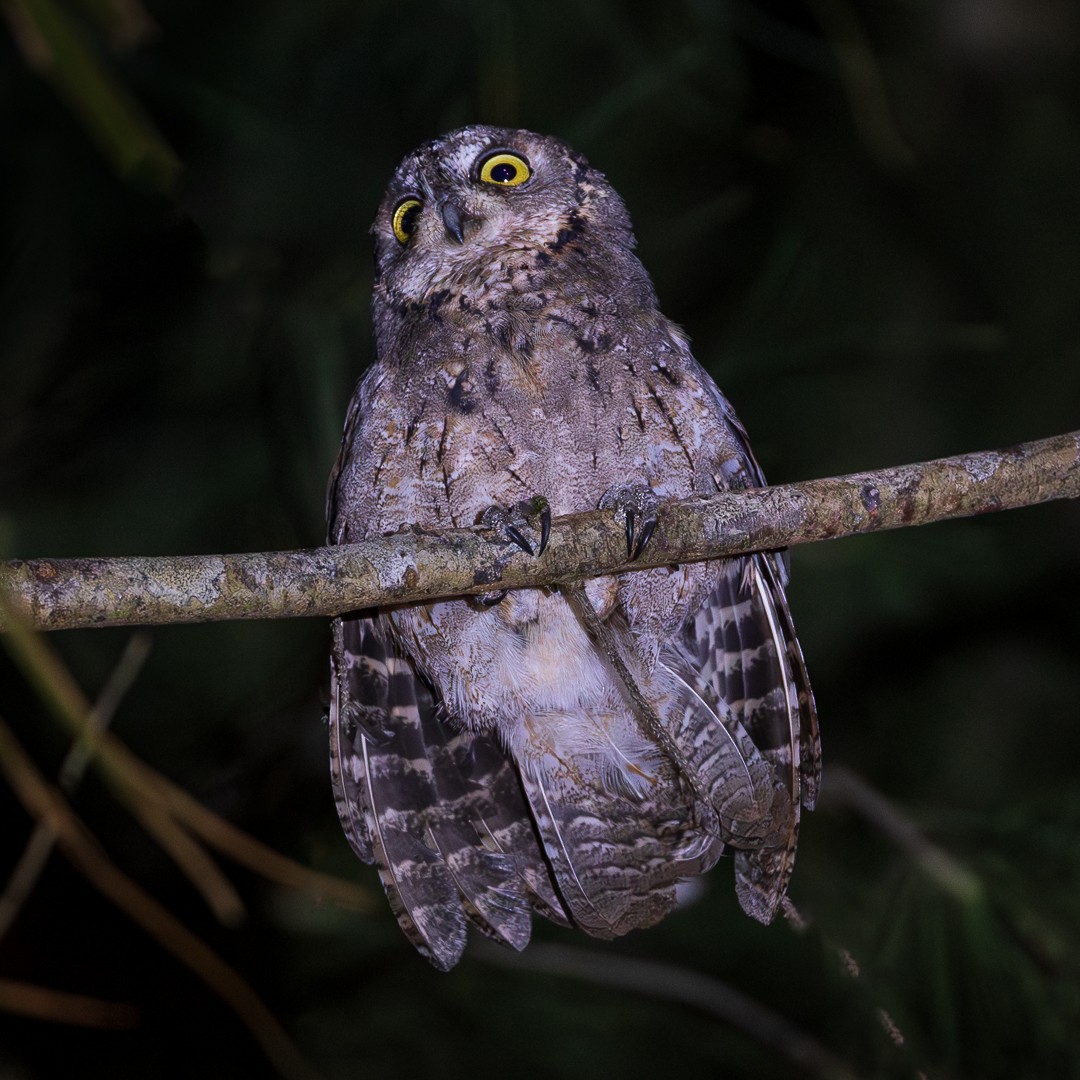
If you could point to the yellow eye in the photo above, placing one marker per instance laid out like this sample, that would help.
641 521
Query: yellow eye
404 220
506 170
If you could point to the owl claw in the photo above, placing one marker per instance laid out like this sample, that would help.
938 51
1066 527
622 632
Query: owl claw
513 525
545 526
638 504
643 537
518 537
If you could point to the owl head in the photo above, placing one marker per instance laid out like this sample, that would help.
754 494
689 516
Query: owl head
487 211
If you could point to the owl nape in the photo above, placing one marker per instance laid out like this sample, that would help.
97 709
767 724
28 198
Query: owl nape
575 752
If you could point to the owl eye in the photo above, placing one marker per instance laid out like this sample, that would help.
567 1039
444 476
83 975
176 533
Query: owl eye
404 220
506 170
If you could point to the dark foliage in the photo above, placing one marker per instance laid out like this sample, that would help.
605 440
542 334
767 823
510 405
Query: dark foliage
866 215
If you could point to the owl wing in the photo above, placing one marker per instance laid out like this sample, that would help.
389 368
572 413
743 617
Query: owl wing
742 646
440 812
744 640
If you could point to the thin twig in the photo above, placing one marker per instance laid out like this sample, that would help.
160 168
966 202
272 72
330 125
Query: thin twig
422 564
126 775
864 83
44 802
801 924
246 850
847 788
59 1007
843 787
162 805
36 853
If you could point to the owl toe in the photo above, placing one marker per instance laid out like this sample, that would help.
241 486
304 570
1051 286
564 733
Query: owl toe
516 524
637 504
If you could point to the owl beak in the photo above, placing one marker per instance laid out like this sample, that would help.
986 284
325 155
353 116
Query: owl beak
454 221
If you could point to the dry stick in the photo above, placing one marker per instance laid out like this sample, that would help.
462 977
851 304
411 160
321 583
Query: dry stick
849 965
245 850
846 788
163 807
123 770
59 1007
161 804
45 803
418 564
36 853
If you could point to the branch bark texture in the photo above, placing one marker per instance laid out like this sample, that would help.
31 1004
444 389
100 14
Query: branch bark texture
418 564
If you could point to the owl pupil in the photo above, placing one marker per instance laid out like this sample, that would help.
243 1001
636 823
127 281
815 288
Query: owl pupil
408 219
503 173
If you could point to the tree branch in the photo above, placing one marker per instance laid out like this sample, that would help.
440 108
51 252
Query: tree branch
419 564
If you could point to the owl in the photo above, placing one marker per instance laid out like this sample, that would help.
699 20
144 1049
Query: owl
574 752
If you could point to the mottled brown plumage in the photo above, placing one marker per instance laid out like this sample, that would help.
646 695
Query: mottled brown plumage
573 752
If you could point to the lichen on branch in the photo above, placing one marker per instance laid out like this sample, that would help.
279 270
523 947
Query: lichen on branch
418 564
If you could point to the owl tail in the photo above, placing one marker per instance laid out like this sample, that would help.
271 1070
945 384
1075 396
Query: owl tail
616 858
760 821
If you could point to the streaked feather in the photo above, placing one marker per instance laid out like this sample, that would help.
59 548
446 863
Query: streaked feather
745 649
616 861
407 803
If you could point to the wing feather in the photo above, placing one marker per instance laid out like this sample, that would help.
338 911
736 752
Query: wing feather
508 825
383 787
742 645
440 812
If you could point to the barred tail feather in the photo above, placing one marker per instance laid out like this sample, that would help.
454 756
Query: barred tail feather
553 823
507 825
382 785
616 858
737 778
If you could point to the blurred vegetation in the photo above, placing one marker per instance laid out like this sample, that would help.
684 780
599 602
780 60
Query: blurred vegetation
867 215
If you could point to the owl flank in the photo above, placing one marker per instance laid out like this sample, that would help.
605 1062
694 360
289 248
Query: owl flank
573 752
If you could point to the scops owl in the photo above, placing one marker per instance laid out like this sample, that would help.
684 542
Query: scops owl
573 751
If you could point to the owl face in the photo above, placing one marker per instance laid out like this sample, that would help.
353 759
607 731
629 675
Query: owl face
470 210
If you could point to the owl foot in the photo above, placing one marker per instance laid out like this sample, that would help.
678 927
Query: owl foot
513 525
638 504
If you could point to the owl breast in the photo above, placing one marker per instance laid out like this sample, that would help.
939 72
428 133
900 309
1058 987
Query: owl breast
558 416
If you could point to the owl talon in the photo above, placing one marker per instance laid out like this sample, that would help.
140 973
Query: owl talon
518 537
545 526
490 599
643 537
513 526
638 504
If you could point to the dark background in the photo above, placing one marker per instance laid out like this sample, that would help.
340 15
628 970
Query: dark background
866 215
